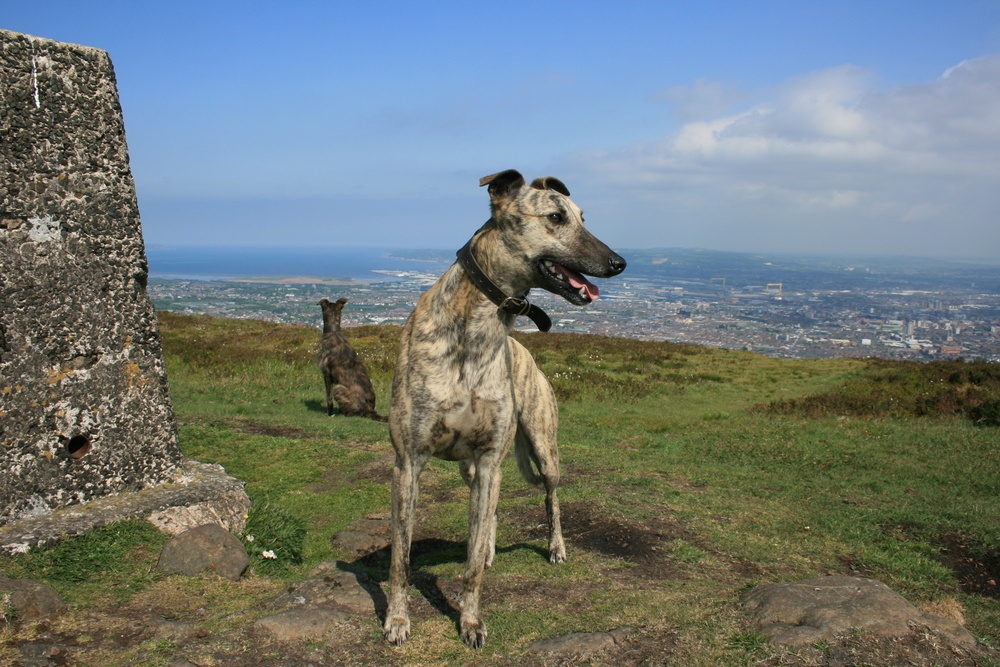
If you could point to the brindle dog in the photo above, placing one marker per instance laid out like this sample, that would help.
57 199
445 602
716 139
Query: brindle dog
465 391
344 374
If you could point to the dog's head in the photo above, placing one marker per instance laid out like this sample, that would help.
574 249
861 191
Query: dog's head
337 305
332 310
541 224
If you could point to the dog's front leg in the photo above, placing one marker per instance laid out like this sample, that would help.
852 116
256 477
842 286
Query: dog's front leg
484 493
405 489
468 470
328 381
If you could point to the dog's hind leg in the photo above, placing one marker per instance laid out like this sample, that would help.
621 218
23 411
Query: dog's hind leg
535 445
348 399
405 489
543 455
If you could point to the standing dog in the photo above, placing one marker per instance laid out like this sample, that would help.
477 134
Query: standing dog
465 391
344 373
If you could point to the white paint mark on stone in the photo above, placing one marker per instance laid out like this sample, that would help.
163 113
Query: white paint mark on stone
36 507
34 81
43 229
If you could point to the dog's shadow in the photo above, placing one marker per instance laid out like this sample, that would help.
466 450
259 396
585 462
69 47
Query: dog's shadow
443 594
313 405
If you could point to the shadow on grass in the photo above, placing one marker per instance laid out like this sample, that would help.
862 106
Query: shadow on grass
424 553
313 405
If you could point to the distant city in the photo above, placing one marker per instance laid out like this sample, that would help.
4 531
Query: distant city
788 307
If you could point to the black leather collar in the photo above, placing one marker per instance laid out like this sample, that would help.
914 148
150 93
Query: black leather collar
512 305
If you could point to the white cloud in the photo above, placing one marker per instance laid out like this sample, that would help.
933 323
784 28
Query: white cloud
702 99
830 148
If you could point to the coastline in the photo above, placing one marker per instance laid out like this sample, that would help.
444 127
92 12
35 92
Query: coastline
300 280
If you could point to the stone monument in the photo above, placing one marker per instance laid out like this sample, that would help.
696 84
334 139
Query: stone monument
84 407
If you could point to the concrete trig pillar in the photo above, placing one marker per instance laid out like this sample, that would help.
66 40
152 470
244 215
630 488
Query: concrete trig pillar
84 407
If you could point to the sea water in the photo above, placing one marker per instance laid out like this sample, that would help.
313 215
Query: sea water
362 264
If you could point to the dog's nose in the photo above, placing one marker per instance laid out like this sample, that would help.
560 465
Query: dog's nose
616 264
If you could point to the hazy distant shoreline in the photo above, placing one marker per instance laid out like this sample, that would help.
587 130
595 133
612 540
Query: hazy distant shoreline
363 266
301 280
320 266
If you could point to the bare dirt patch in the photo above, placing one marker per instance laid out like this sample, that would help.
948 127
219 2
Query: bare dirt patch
976 566
378 470
253 427
644 544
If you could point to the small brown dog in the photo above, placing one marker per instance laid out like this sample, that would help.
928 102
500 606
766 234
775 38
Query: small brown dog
344 373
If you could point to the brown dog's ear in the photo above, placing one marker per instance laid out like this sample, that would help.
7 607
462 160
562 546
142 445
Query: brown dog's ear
550 183
502 183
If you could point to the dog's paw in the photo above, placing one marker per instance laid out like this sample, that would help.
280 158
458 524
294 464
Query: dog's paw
396 630
557 556
474 634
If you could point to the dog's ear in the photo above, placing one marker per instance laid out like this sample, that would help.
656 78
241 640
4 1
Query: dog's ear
502 184
550 183
341 301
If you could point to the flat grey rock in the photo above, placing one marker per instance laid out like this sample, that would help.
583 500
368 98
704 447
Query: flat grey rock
580 644
330 589
307 623
199 492
801 613
358 543
30 600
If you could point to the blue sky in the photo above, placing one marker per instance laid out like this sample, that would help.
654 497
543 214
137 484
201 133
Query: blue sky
809 127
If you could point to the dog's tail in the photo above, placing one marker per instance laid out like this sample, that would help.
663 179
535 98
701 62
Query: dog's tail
527 460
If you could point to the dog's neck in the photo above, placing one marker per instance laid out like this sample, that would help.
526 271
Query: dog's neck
331 323
511 304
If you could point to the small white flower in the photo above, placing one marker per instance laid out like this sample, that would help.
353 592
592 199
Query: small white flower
269 554
249 538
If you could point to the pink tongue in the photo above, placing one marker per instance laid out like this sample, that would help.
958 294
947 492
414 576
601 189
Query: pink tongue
578 281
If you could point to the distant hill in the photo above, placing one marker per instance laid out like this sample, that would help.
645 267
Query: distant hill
816 272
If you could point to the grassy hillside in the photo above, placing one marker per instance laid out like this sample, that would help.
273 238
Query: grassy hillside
690 475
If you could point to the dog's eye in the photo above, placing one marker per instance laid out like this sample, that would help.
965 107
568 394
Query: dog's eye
556 218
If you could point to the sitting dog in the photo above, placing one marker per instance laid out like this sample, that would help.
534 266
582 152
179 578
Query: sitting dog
344 373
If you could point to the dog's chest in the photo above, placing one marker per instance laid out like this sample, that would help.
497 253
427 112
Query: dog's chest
455 374
471 408
473 421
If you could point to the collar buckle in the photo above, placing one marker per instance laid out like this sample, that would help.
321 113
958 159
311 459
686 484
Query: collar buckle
511 305
515 305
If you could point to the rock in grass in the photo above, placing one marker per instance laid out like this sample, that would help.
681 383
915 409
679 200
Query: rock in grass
310 624
27 600
358 543
802 613
329 588
580 644
208 548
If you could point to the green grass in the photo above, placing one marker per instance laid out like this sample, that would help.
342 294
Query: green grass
689 475
114 561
